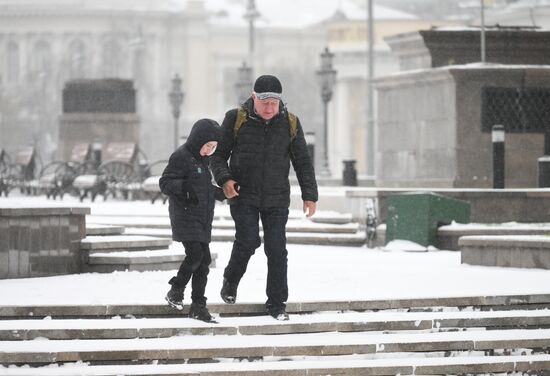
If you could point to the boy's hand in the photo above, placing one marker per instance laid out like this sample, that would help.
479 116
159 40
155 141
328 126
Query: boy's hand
230 188
192 199
309 208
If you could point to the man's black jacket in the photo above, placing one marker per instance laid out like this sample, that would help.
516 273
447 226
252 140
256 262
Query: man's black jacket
258 158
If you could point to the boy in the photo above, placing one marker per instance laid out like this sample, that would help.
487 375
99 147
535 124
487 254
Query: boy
187 182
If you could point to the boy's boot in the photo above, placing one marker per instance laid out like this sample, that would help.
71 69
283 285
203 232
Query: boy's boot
174 297
229 291
199 312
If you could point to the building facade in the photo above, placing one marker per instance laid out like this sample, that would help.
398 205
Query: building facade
44 44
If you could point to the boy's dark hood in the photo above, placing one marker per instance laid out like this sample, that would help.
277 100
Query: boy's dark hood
203 131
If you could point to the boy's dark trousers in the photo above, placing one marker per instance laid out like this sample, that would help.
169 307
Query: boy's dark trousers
247 239
196 267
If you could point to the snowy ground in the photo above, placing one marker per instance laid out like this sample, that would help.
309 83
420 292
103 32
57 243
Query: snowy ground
315 273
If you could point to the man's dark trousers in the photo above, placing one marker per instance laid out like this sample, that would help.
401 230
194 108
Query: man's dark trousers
247 240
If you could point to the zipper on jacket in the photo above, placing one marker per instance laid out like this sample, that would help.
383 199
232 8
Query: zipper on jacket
262 195
207 182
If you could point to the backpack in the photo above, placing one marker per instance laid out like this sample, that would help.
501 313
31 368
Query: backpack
241 118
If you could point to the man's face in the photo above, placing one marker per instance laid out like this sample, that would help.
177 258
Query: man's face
266 108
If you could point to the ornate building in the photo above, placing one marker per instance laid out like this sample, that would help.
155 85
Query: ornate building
45 43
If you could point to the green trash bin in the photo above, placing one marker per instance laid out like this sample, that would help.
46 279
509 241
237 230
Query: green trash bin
415 216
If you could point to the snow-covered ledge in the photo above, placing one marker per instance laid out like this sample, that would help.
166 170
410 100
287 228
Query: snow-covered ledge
40 240
527 205
527 251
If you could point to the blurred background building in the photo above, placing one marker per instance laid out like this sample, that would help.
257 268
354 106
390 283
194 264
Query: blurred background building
46 43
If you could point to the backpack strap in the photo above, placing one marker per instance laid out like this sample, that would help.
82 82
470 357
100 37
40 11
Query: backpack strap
241 118
293 121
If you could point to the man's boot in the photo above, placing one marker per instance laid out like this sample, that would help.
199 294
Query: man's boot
278 313
199 312
229 291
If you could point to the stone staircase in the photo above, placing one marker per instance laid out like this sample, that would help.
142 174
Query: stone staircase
136 241
126 242
433 336
325 228
108 248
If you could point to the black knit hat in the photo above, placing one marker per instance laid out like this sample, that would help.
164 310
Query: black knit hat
268 86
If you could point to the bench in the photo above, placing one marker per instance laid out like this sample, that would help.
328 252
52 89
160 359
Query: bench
116 175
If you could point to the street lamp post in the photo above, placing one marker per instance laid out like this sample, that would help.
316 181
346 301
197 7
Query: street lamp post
327 79
244 83
176 99
482 32
250 16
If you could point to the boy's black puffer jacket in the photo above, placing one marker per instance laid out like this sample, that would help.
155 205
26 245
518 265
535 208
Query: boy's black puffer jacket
188 183
259 158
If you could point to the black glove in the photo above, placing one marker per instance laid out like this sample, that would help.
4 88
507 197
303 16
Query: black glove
189 195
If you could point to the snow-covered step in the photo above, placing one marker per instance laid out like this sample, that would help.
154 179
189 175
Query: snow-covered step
404 366
356 239
97 229
300 225
525 251
468 303
448 235
163 221
149 221
161 259
331 217
118 327
325 228
113 243
261 346
292 226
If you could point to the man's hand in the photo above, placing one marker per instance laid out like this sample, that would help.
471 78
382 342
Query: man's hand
229 188
309 208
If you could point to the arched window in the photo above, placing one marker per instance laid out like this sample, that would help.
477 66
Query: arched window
77 59
112 59
42 60
13 70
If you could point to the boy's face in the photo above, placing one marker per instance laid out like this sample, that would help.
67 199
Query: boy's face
208 148
266 108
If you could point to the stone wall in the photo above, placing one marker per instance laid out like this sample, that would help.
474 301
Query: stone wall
474 147
438 47
430 132
416 130
528 251
36 242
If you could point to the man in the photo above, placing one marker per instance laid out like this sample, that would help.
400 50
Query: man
260 140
